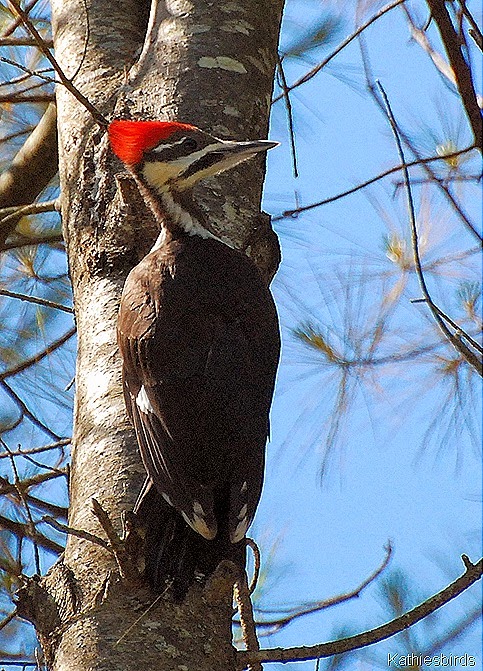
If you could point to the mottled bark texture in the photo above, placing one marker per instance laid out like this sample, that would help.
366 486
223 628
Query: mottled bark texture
208 63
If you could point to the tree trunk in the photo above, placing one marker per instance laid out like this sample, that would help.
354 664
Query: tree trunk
206 63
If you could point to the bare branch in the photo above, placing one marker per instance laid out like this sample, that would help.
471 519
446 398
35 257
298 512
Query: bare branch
59 444
17 22
457 343
21 98
464 79
6 620
276 625
25 410
23 531
38 357
37 301
472 574
47 238
363 185
98 117
245 608
411 145
78 533
288 105
256 564
22 42
342 45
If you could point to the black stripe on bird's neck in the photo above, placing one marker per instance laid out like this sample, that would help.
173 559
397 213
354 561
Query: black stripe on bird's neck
175 211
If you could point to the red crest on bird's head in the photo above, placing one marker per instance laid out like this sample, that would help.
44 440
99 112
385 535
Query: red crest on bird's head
130 139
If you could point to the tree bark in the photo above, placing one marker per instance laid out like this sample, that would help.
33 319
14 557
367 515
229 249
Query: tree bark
206 63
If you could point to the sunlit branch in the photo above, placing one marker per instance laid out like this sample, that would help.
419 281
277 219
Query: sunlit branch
17 22
341 46
37 301
463 76
472 574
22 42
16 211
59 444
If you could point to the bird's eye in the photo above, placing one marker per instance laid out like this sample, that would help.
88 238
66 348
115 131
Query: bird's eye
190 143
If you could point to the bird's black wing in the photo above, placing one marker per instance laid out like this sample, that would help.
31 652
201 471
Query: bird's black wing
199 338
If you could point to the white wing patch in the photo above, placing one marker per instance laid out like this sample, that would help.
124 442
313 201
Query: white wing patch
198 523
143 402
240 531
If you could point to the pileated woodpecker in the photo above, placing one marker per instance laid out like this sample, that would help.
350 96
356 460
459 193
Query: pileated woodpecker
199 339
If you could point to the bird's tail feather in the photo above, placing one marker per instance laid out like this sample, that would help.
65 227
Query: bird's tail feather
175 556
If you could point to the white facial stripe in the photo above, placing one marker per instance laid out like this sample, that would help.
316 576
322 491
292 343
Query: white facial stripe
162 147
143 402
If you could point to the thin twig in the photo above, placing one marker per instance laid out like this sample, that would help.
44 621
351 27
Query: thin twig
22 42
59 444
288 105
277 624
23 499
453 339
342 45
363 185
410 144
6 620
78 533
16 22
256 564
31 73
99 118
38 357
23 531
15 212
247 623
38 301
471 575
14 99
48 238
28 413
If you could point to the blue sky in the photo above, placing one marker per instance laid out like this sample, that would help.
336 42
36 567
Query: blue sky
385 479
